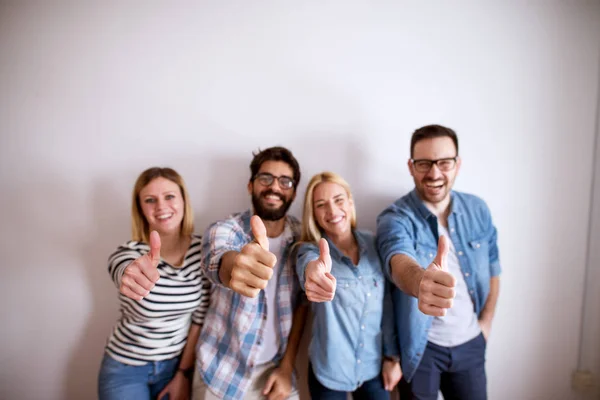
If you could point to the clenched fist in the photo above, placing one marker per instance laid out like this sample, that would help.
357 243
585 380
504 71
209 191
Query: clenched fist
320 284
436 290
141 275
253 266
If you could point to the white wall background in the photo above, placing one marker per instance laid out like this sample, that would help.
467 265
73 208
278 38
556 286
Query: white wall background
92 93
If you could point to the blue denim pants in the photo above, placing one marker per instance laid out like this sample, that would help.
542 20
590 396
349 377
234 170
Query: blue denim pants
458 372
118 381
369 390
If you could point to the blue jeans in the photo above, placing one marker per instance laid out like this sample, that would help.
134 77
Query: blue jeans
459 372
118 381
369 390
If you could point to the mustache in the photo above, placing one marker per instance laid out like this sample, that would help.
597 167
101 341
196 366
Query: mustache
272 192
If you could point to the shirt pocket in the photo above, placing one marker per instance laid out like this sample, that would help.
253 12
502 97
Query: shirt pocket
347 292
479 249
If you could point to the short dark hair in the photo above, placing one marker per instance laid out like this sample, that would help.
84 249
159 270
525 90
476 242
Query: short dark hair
275 154
432 131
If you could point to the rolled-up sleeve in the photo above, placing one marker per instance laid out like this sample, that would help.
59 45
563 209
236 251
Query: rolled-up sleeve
388 324
307 252
393 237
220 238
494 255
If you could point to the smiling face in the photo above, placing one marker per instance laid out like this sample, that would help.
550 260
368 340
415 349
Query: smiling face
162 205
333 209
434 185
272 201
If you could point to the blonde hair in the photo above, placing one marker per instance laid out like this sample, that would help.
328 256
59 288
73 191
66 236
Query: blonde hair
139 224
311 231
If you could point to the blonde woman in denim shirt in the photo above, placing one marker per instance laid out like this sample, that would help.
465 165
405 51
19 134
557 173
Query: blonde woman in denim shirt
353 347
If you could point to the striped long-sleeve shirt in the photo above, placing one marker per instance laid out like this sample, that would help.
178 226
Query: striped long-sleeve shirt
156 328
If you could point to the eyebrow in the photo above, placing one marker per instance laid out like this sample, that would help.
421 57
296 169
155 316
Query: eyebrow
169 192
337 196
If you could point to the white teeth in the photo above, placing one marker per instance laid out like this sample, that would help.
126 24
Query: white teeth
335 220
272 197
164 216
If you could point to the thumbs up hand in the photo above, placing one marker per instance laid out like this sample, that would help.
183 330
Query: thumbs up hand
141 275
320 284
253 266
436 290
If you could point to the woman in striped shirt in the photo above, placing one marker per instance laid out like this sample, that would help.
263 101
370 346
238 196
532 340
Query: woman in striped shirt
163 294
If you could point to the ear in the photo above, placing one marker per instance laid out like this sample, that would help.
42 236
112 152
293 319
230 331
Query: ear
410 167
250 188
458 163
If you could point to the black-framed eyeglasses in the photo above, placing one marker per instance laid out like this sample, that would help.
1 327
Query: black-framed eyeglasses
267 179
444 164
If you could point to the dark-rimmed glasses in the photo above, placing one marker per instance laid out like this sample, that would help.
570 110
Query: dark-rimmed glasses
267 179
444 164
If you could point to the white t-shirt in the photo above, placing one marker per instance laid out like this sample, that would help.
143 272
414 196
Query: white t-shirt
460 323
270 339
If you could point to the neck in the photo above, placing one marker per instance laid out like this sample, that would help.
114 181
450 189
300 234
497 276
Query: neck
345 242
170 242
275 228
441 209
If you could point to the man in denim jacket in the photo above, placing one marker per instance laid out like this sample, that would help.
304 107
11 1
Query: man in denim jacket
445 305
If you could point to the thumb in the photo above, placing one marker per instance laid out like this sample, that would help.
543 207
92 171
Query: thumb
269 385
324 256
442 253
259 231
386 382
155 248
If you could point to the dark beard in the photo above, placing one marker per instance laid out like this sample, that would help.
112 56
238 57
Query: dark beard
270 214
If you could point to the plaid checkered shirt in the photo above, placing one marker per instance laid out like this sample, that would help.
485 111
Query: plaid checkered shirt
231 337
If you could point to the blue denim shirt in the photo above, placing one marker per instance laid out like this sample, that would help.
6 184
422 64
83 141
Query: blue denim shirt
349 333
408 227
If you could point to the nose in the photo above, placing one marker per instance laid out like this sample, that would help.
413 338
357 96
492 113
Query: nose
160 203
275 184
434 172
329 208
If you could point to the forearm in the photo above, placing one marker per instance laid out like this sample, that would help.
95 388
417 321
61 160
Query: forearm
298 323
489 309
226 266
406 273
188 357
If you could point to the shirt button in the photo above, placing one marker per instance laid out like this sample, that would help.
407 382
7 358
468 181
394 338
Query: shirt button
430 255
477 246
460 253
471 291
347 285
467 274
361 345
362 327
368 294
360 277
452 230
358 361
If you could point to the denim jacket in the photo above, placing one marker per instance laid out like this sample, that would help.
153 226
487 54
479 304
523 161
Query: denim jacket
408 227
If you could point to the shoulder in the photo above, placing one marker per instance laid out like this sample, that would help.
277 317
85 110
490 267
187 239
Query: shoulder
196 240
471 202
403 206
237 222
294 224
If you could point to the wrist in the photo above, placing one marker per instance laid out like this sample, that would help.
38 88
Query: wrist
393 359
188 373
286 367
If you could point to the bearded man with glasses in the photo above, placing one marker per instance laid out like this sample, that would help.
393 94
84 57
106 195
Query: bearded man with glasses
439 248
252 329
